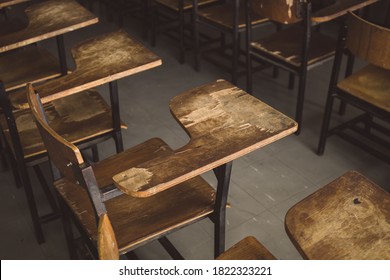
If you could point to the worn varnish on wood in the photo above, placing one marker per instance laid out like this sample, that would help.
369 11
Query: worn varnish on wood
47 20
99 60
347 219
247 249
8 3
223 122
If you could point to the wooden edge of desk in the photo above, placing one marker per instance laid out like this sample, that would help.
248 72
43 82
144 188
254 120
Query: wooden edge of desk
134 189
11 3
48 35
337 10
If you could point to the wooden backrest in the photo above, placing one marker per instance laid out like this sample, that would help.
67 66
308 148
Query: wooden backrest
63 154
282 11
368 41
107 245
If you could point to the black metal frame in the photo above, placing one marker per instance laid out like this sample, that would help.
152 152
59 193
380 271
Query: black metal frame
371 112
301 71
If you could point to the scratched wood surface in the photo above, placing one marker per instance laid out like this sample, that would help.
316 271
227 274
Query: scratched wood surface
107 246
371 84
368 41
27 65
137 221
187 4
86 111
223 122
99 60
286 45
46 20
347 219
222 15
340 8
8 3
247 249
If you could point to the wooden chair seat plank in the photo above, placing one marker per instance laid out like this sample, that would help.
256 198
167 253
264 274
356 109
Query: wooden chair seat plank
247 249
27 65
8 3
223 15
136 221
46 20
174 4
347 219
286 45
99 60
370 84
223 122
86 110
339 8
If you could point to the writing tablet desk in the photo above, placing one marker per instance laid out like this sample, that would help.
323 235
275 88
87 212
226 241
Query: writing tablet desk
347 219
45 20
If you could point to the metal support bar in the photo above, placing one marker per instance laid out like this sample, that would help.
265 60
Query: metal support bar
172 251
62 54
114 98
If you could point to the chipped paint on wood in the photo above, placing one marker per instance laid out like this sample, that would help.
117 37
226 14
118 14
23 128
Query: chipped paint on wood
137 177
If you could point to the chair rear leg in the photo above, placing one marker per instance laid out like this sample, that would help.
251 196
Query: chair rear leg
325 125
300 101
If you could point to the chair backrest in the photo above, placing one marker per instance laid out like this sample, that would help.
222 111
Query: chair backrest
107 245
63 154
368 41
282 11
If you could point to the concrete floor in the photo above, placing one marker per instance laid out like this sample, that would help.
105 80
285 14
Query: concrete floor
264 184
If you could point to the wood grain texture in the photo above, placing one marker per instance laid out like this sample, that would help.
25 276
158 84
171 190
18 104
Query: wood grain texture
223 122
187 5
368 41
46 20
76 118
286 45
347 219
107 246
99 60
8 3
222 15
27 65
371 84
340 8
247 249
136 221
282 11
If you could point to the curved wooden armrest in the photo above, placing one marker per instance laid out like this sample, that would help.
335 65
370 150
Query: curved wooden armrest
98 61
223 122
347 219
339 8
47 20
8 3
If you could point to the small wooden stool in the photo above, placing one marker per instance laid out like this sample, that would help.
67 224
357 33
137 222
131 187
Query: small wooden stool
347 219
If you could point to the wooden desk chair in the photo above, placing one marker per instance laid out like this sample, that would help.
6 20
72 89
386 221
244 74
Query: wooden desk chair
19 66
298 47
367 89
171 17
228 17
347 219
151 176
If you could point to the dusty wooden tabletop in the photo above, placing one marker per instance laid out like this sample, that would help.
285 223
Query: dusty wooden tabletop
347 219
223 122
7 3
340 8
46 20
99 60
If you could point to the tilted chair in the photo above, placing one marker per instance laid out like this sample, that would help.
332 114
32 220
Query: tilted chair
135 220
228 17
367 89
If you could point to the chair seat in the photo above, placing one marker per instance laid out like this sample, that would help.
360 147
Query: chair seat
286 45
247 249
370 84
347 219
174 4
77 118
139 220
28 65
223 15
